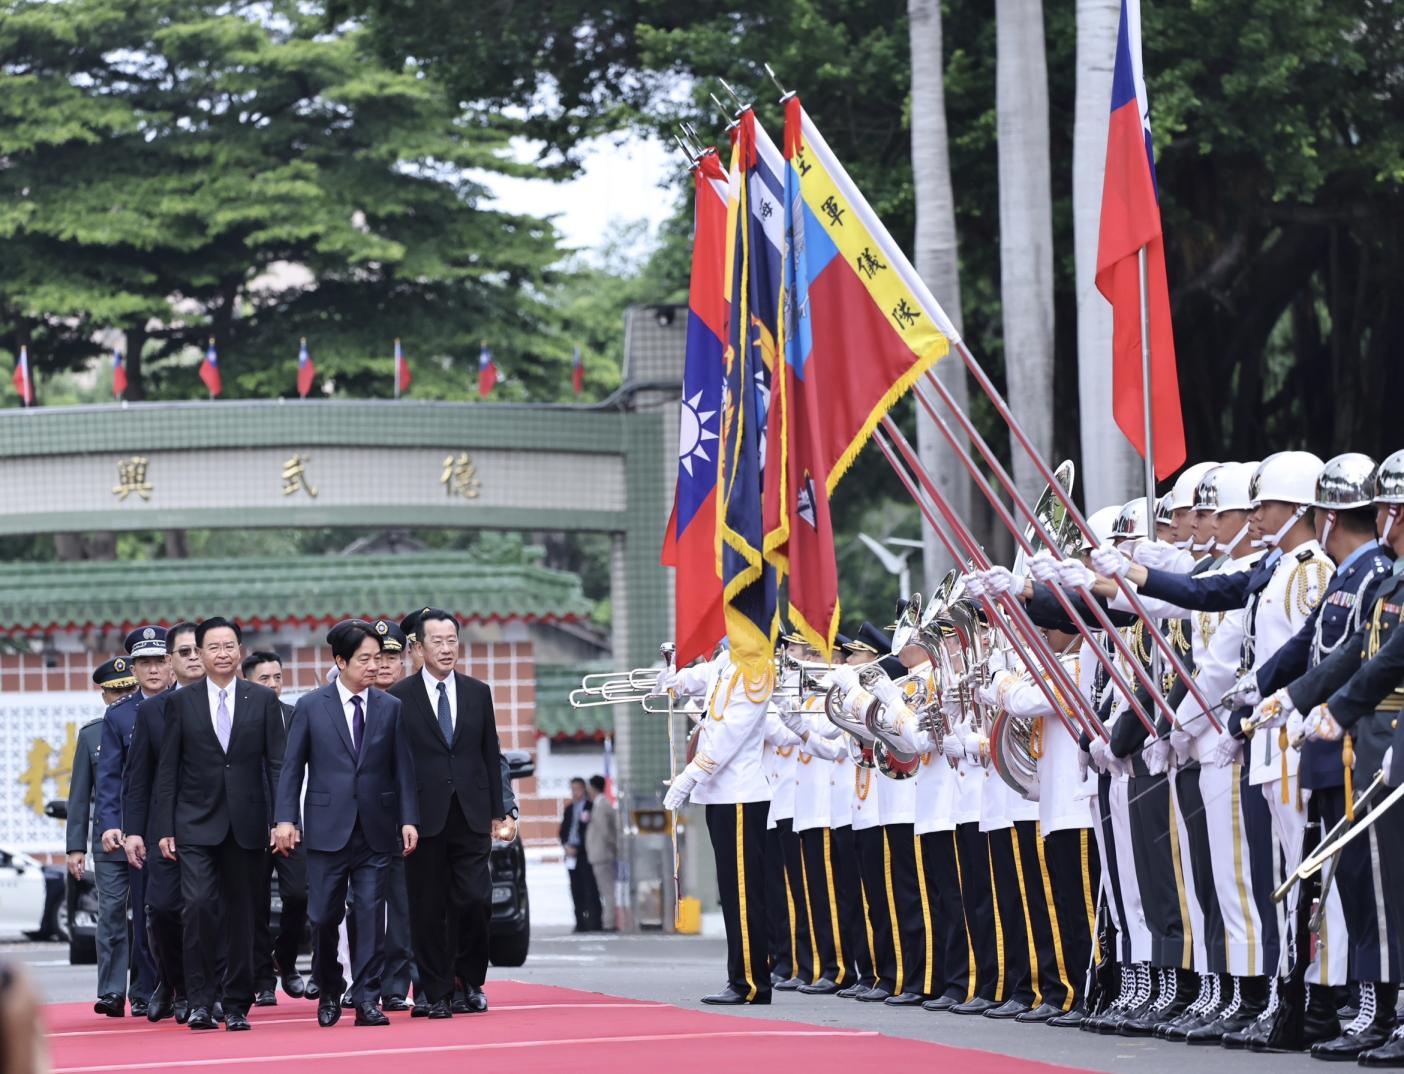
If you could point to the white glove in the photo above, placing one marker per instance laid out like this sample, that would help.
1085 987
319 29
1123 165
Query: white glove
1082 762
976 745
683 783
950 703
1227 750
1072 574
1001 580
1296 728
793 718
669 679
1321 726
1244 692
1181 741
1387 760
888 692
1157 756
1100 755
952 747
1273 711
1157 555
988 694
1109 562
974 585
1043 565
844 677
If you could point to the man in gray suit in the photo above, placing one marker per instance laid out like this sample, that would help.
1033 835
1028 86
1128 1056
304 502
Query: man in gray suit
362 806
116 680
602 848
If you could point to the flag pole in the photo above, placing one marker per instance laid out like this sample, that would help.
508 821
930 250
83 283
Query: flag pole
396 368
1143 278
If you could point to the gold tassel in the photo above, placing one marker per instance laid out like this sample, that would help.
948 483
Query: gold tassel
1348 759
1282 748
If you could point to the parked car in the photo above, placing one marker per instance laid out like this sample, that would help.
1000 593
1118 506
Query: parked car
511 907
76 914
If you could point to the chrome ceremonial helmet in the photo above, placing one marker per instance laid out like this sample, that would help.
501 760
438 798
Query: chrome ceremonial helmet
1131 521
1389 491
1183 492
1346 482
1163 510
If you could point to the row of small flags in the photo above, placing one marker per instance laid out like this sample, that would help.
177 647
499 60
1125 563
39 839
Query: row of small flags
306 373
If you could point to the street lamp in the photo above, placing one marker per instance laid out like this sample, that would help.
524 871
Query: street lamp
894 562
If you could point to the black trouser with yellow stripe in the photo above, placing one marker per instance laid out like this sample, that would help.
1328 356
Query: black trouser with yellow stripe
832 902
1061 875
977 902
738 845
904 902
791 948
952 968
872 864
1155 844
1011 919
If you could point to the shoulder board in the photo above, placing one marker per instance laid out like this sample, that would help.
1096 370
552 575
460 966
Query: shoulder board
1306 555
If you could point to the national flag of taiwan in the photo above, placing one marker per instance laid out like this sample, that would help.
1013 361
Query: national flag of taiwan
690 543
577 372
1130 223
859 328
749 575
23 382
487 372
402 370
306 371
119 375
209 370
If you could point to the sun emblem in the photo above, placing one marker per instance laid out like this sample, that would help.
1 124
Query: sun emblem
693 433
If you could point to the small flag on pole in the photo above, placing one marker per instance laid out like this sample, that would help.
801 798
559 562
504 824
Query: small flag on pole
487 372
402 371
577 372
119 374
24 384
306 371
209 370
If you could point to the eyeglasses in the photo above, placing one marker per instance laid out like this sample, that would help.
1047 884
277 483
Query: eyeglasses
186 650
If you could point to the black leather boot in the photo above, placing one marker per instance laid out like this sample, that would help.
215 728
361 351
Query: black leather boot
1205 1008
1120 1003
1257 1032
1250 998
1297 1026
1388 1054
1371 1029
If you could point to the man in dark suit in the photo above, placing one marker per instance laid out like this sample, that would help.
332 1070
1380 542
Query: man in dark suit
361 808
277 958
457 760
215 788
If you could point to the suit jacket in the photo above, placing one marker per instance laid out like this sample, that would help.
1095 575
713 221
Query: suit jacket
118 723
203 793
376 787
82 835
601 836
139 783
468 769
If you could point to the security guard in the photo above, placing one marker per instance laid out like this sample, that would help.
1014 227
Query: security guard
146 648
400 972
115 679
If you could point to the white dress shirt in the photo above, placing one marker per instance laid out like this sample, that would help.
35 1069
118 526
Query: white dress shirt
213 692
347 711
431 685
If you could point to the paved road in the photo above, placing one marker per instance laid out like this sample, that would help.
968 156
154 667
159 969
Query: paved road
679 969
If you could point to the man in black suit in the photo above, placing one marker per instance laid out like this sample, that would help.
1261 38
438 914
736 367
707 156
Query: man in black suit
457 760
277 958
215 786
361 809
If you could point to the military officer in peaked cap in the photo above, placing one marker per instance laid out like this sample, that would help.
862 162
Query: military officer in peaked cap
115 679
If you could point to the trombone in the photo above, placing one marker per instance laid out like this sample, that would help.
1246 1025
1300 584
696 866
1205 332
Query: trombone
636 687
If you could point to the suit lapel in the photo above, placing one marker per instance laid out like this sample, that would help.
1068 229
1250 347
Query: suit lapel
242 707
202 709
461 695
336 712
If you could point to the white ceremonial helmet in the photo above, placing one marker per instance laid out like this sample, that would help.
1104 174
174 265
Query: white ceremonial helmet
1100 522
1182 492
1232 482
1287 477
1131 520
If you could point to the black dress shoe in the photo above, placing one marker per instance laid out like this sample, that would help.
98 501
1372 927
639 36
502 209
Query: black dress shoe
1389 1054
295 985
1044 1012
327 1014
201 1018
236 1021
440 1009
853 991
789 984
347 1003
266 998
368 1014
1069 1019
420 1008
905 999
777 978
311 991
217 1011
940 1003
978 1005
112 1004
395 1003
1010 1008
729 997
477 1002
877 994
140 1008
160 1007
459 1003
182 1011
821 987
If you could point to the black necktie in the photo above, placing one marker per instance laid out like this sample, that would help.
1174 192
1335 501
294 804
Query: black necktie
358 724
445 714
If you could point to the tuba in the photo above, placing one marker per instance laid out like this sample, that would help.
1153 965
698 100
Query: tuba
870 742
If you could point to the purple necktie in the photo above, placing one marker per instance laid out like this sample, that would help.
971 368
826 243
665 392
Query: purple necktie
224 724
358 724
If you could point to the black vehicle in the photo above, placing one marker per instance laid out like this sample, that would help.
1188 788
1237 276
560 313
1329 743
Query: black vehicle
71 912
511 907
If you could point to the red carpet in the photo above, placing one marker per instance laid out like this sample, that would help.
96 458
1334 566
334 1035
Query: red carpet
530 1028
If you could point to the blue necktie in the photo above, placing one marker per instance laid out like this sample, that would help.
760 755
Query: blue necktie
445 714
358 724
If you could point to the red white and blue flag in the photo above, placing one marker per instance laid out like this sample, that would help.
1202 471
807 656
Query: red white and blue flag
577 372
24 384
209 371
487 372
689 544
306 371
1131 222
119 375
402 370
